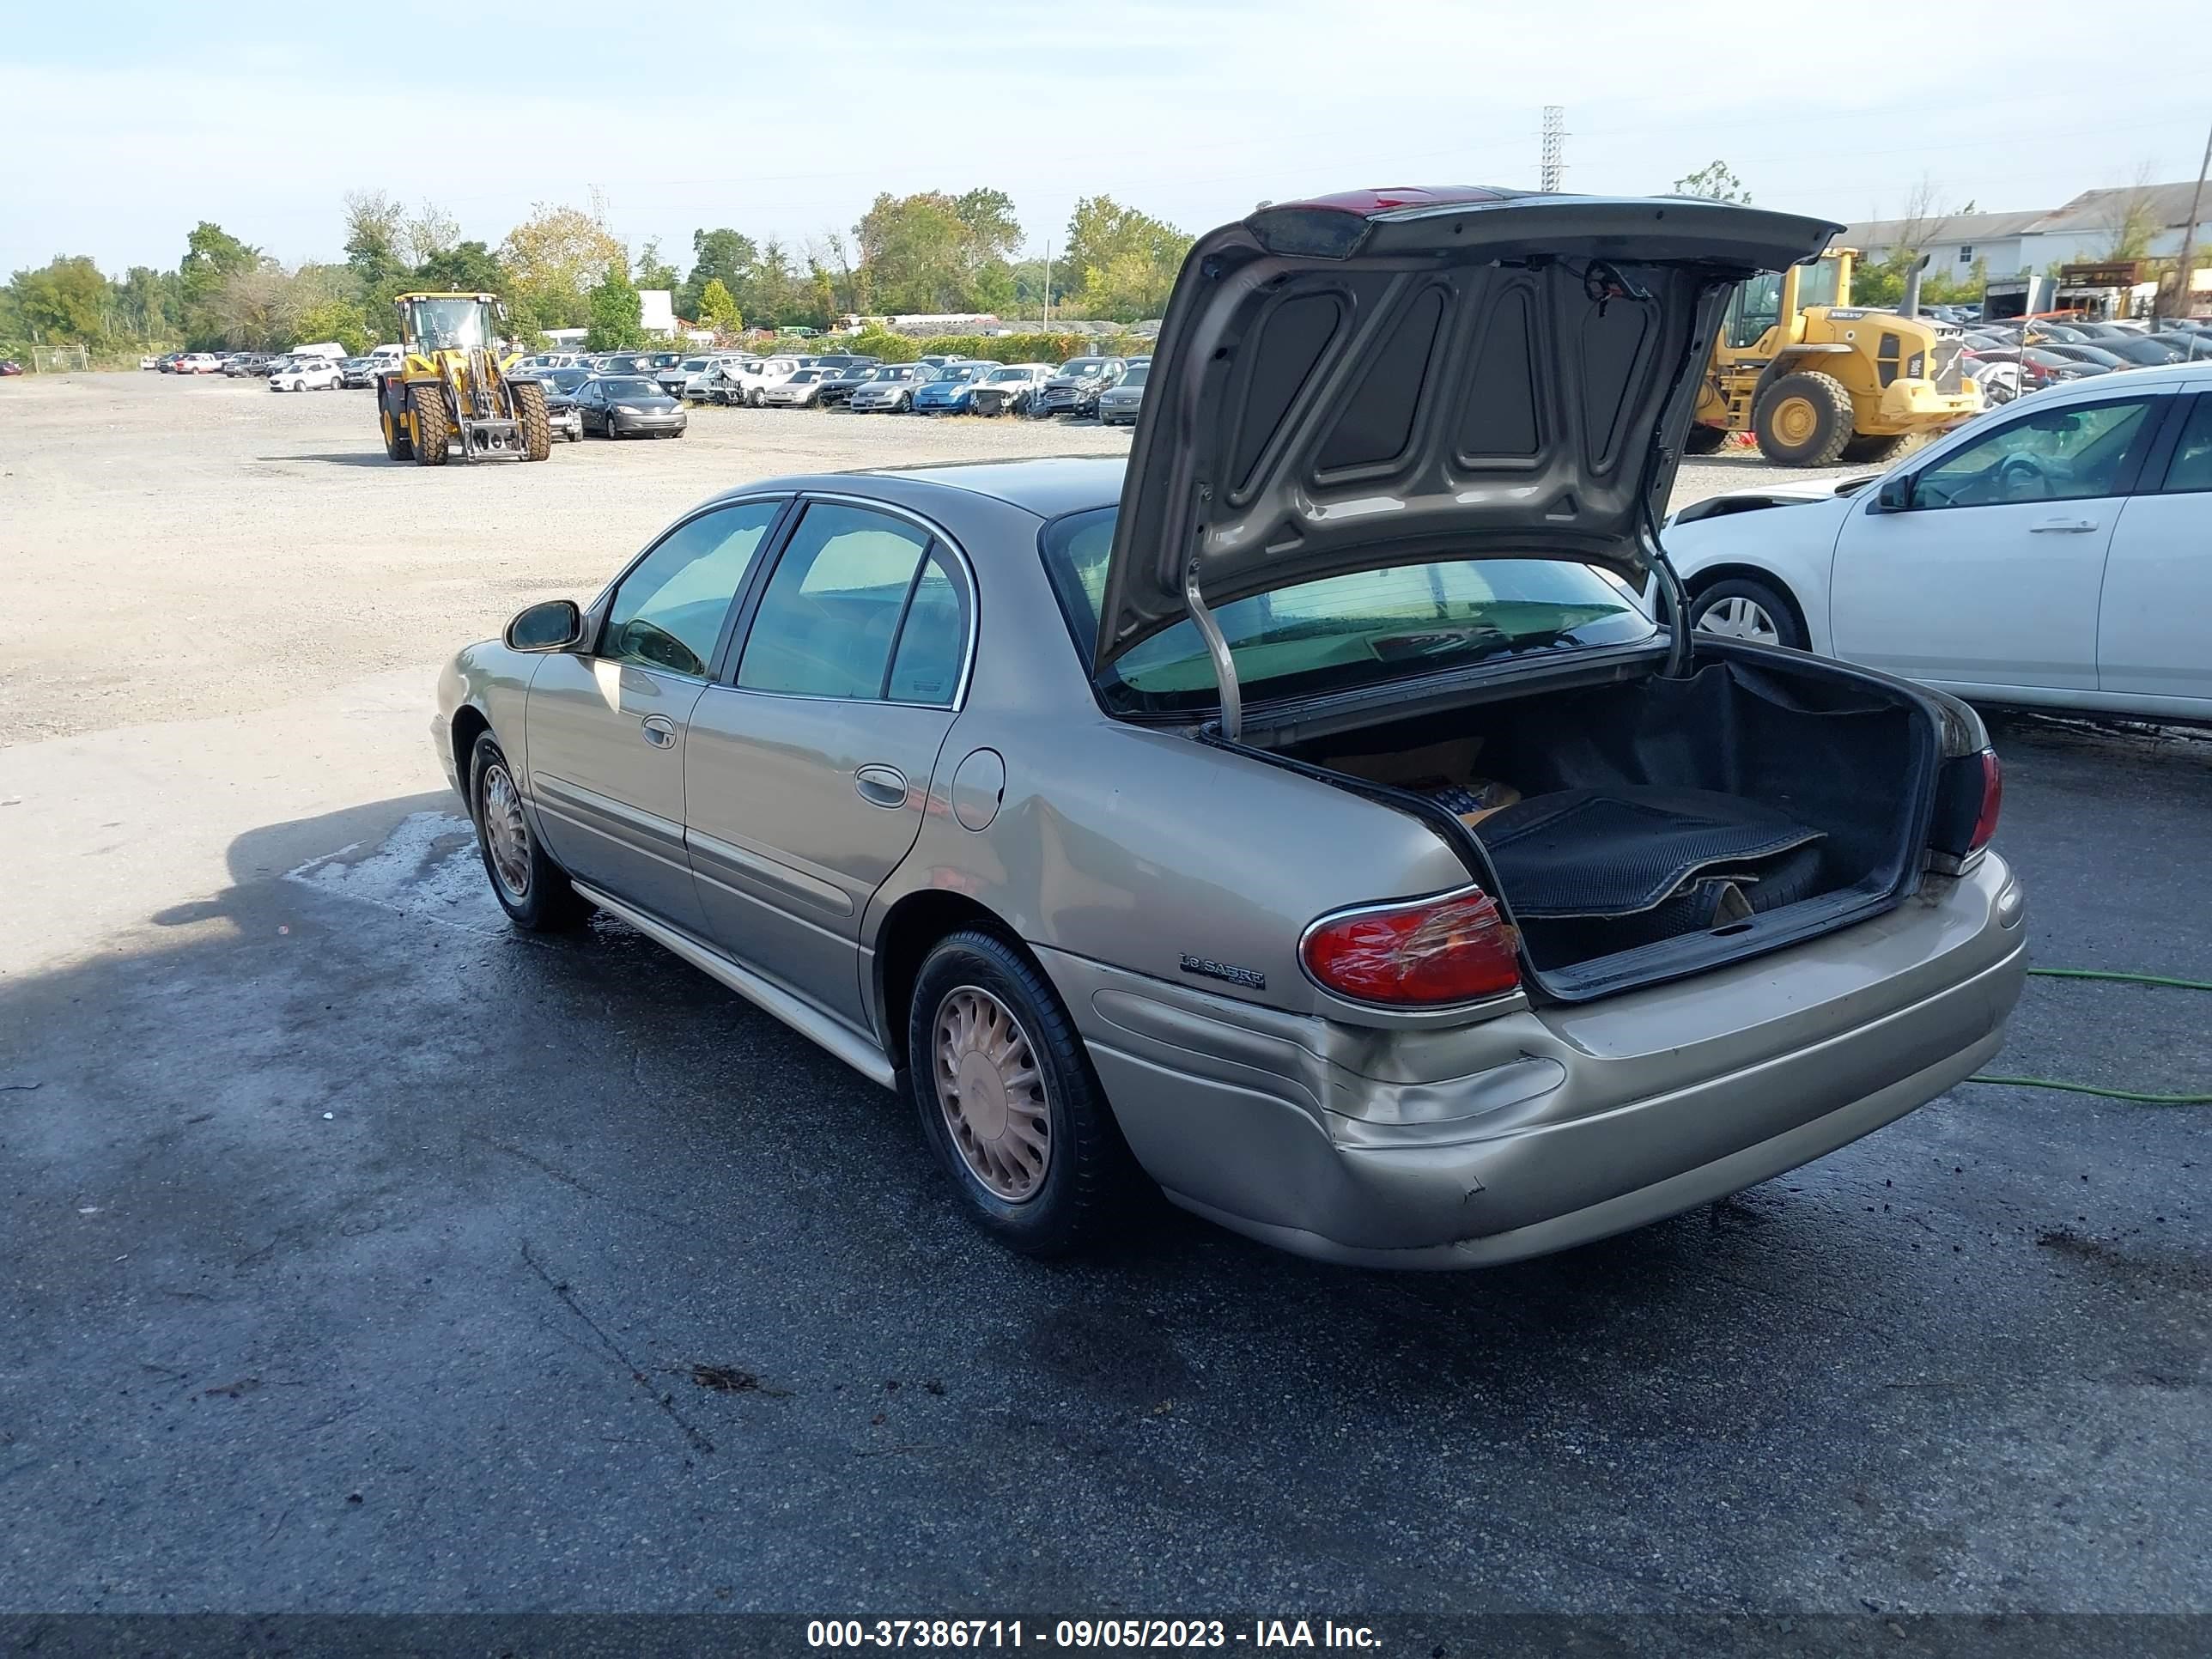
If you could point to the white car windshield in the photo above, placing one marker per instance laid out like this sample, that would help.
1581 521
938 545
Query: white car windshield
1009 374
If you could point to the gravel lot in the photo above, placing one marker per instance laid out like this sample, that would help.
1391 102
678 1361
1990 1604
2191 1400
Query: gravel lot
358 1254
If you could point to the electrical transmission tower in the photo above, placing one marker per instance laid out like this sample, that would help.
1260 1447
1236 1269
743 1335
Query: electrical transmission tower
1554 164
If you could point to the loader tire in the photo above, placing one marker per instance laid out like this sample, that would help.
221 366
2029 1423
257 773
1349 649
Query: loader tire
1874 452
1804 420
434 428
1705 440
536 424
396 444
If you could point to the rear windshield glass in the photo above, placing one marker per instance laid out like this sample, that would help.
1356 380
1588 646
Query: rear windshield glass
1341 630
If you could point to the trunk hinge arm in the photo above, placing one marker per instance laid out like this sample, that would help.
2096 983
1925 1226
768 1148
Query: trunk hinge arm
1678 602
1217 647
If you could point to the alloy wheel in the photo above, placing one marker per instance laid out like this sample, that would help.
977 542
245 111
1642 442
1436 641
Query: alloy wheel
991 1091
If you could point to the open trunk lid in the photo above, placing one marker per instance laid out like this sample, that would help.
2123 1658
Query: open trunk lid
1394 376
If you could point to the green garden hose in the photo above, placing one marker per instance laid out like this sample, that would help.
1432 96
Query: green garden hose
2090 1089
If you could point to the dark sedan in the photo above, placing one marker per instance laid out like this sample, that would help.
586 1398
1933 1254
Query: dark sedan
629 406
561 385
839 386
1076 384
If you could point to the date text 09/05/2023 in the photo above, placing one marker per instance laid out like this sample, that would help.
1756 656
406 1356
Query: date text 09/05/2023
1261 1634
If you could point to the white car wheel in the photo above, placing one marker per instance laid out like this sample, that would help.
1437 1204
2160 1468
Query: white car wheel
1740 618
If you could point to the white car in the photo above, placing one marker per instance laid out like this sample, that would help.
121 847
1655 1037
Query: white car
748 381
200 363
307 375
2051 553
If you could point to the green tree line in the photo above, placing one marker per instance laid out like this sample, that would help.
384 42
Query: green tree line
561 267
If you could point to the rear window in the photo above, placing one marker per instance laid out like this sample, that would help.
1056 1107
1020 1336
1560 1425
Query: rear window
1340 631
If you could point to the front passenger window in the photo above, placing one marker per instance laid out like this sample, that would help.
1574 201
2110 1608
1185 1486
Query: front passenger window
2052 455
668 612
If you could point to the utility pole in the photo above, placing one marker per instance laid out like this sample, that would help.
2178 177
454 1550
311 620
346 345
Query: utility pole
2181 288
1048 285
1553 164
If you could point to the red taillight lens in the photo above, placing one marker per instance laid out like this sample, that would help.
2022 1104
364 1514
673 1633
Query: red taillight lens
1436 950
1985 821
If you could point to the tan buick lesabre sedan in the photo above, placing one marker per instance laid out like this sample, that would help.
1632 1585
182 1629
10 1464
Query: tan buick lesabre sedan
1306 818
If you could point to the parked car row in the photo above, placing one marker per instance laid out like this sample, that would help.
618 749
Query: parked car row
2012 360
1111 388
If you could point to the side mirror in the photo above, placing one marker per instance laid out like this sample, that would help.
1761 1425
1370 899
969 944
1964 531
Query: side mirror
549 625
1894 496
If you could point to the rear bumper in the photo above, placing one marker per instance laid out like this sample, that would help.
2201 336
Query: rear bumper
1528 1132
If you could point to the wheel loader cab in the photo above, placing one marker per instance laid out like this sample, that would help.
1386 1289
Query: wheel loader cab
1816 380
450 388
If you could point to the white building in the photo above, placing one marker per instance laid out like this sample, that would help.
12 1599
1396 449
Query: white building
2014 244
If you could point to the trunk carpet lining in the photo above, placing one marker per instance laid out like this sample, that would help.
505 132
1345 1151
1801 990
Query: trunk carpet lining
1627 851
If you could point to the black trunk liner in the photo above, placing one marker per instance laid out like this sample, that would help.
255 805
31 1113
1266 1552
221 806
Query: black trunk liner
1625 851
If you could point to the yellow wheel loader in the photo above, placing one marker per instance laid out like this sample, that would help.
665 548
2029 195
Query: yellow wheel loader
1817 380
453 388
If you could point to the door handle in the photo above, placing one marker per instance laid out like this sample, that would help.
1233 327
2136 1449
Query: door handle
2062 527
881 785
658 730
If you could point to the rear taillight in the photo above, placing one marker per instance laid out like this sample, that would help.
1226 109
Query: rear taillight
1454 949
1969 792
1985 821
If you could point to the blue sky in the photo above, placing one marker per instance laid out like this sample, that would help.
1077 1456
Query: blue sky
785 121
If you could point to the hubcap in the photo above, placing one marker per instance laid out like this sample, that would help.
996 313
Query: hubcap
992 1094
1740 619
507 836
1794 420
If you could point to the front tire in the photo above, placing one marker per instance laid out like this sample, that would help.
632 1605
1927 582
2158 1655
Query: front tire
536 424
1743 609
433 427
1008 1100
1804 420
757 398
533 890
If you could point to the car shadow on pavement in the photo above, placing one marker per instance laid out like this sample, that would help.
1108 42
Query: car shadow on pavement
368 1219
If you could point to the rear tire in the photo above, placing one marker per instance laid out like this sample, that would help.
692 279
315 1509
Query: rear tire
1704 440
396 444
757 398
1035 1075
533 890
536 424
1804 420
433 427
1874 452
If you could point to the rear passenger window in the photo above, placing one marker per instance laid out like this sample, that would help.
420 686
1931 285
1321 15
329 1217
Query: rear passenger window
2190 470
828 622
932 642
